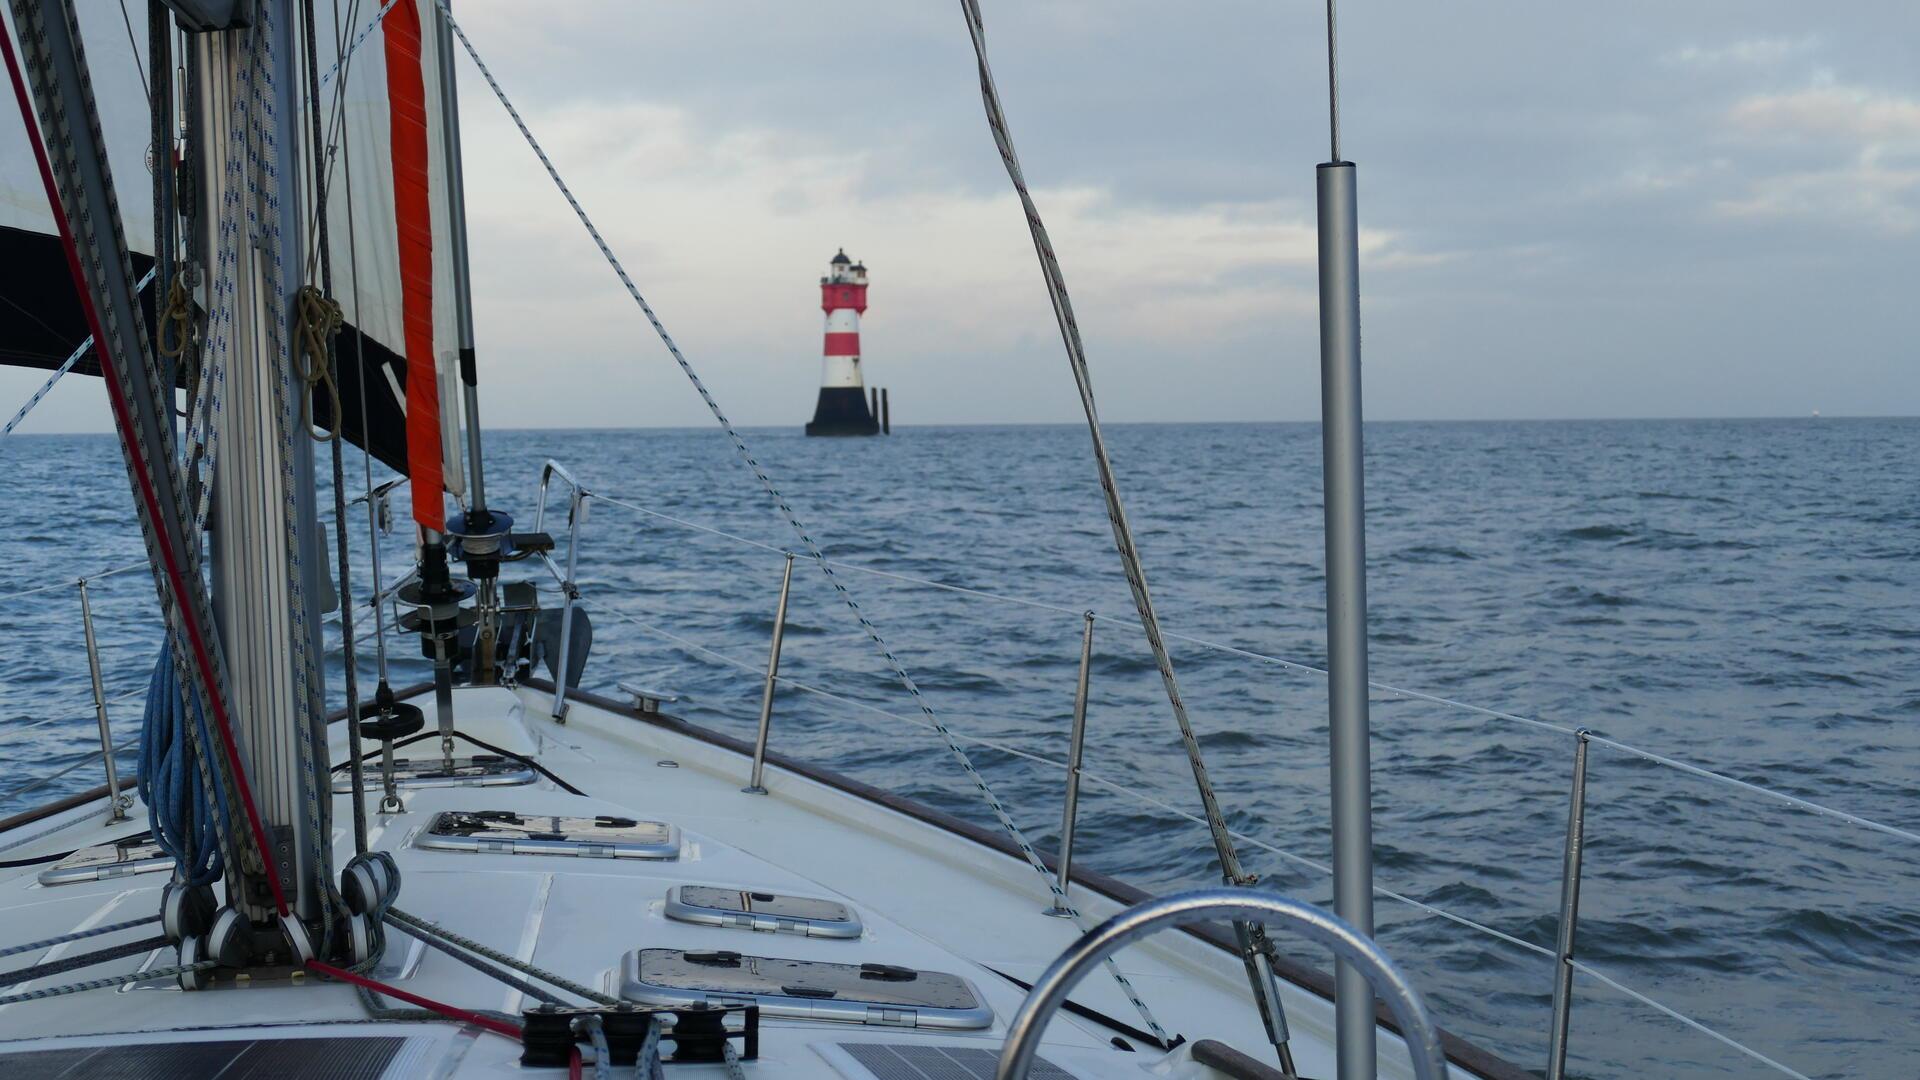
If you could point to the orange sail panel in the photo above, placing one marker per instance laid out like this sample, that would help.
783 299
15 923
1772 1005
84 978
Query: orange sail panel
413 220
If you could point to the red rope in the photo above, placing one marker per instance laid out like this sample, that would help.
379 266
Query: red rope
451 1012
176 581
573 1064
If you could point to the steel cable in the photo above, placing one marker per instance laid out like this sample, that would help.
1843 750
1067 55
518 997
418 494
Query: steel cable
907 682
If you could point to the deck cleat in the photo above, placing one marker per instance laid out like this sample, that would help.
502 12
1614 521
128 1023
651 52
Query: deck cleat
697 1033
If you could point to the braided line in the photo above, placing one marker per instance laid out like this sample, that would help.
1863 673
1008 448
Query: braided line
78 935
1253 936
101 984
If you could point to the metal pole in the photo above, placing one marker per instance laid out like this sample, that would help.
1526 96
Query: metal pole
116 809
576 505
1346 542
754 785
1064 877
1569 910
457 249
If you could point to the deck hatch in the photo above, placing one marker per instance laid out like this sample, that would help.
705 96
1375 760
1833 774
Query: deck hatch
481 770
135 855
357 1058
503 832
877 994
915 1061
767 912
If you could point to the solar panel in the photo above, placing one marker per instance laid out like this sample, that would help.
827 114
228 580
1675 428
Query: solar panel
916 1061
360 1058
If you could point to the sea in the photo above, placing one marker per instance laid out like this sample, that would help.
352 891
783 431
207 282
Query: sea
1741 596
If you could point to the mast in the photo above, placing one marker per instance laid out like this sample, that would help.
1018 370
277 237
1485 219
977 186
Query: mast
482 532
1346 554
457 251
269 580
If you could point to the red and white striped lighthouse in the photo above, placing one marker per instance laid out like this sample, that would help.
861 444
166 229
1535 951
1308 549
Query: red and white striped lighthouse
842 409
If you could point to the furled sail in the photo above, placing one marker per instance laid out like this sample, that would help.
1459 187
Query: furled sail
388 224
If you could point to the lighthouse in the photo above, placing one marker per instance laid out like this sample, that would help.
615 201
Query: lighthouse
842 409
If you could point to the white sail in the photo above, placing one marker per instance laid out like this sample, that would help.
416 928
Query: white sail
366 247
118 67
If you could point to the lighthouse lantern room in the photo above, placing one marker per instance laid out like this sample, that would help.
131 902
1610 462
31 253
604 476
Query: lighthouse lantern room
842 409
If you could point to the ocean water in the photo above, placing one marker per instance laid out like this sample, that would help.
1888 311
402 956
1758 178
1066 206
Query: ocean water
1736 594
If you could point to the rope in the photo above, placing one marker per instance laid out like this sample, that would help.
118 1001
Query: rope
78 935
649 1065
1253 935
426 929
450 1012
793 521
597 1038
82 960
176 319
319 320
476 964
112 980
185 815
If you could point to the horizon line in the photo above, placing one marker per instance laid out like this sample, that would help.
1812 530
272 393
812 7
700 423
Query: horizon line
1173 423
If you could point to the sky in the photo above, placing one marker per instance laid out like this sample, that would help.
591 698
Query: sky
1645 209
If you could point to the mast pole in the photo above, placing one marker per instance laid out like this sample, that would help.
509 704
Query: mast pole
272 650
457 249
1346 555
482 531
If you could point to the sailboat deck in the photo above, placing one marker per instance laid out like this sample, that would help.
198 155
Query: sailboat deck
927 899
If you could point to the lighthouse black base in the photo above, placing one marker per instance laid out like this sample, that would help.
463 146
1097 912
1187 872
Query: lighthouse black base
843 411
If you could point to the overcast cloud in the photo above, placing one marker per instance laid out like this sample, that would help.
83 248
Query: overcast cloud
1628 209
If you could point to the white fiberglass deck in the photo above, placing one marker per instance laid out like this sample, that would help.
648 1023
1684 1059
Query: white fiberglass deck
927 898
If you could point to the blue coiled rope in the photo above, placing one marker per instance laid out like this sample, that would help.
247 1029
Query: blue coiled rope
180 810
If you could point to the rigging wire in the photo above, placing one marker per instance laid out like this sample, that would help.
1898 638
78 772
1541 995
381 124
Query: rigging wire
1333 79
315 305
146 90
360 377
814 551
1256 946
66 365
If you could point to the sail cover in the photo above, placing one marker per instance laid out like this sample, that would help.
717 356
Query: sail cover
413 221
